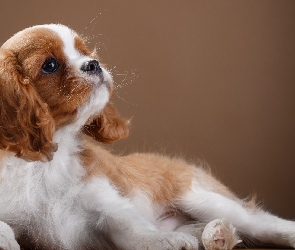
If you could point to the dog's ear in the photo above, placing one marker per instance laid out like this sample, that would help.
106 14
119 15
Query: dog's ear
26 126
108 126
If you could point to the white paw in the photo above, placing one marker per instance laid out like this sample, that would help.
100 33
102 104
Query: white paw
219 235
7 240
167 241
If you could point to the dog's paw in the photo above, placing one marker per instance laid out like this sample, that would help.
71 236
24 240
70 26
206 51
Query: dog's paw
219 235
7 240
168 241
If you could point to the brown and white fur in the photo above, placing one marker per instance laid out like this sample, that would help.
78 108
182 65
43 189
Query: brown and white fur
63 190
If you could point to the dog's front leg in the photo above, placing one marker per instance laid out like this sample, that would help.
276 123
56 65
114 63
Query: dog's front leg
127 228
7 239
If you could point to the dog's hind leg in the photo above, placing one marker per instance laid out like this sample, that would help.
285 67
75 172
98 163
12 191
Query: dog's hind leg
205 206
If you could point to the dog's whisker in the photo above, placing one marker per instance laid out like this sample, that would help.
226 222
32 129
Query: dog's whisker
90 22
129 103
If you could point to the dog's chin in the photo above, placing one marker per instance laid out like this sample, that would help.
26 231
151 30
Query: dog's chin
96 102
102 79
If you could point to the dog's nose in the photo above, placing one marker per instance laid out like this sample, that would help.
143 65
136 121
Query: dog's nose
92 67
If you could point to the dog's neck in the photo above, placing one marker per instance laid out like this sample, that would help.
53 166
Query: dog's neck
68 139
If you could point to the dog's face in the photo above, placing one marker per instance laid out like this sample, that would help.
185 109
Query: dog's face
49 79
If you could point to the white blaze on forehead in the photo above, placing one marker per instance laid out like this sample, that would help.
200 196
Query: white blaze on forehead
68 38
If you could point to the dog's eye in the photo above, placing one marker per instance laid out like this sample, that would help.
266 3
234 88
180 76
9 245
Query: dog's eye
49 66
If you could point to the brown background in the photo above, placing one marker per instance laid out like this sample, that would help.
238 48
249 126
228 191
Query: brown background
201 79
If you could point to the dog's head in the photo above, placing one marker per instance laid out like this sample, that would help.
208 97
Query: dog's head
49 79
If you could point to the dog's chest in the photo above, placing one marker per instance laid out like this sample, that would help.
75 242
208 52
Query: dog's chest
28 187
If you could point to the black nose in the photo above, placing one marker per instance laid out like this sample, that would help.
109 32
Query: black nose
92 67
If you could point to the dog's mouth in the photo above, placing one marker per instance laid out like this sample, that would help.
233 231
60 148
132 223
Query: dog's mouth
106 79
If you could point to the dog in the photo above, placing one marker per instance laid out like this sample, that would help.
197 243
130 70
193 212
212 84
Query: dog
61 189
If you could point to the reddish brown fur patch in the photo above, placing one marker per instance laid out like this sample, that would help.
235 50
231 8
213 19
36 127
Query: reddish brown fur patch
162 178
81 47
108 126
26 127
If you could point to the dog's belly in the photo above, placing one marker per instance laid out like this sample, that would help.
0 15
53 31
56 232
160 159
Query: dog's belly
171 221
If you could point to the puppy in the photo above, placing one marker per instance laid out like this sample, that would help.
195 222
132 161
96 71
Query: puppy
62 190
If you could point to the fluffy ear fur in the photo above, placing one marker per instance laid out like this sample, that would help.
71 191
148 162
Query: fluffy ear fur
108 126
26 127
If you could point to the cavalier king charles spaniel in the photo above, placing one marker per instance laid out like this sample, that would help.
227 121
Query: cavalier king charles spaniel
60 189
